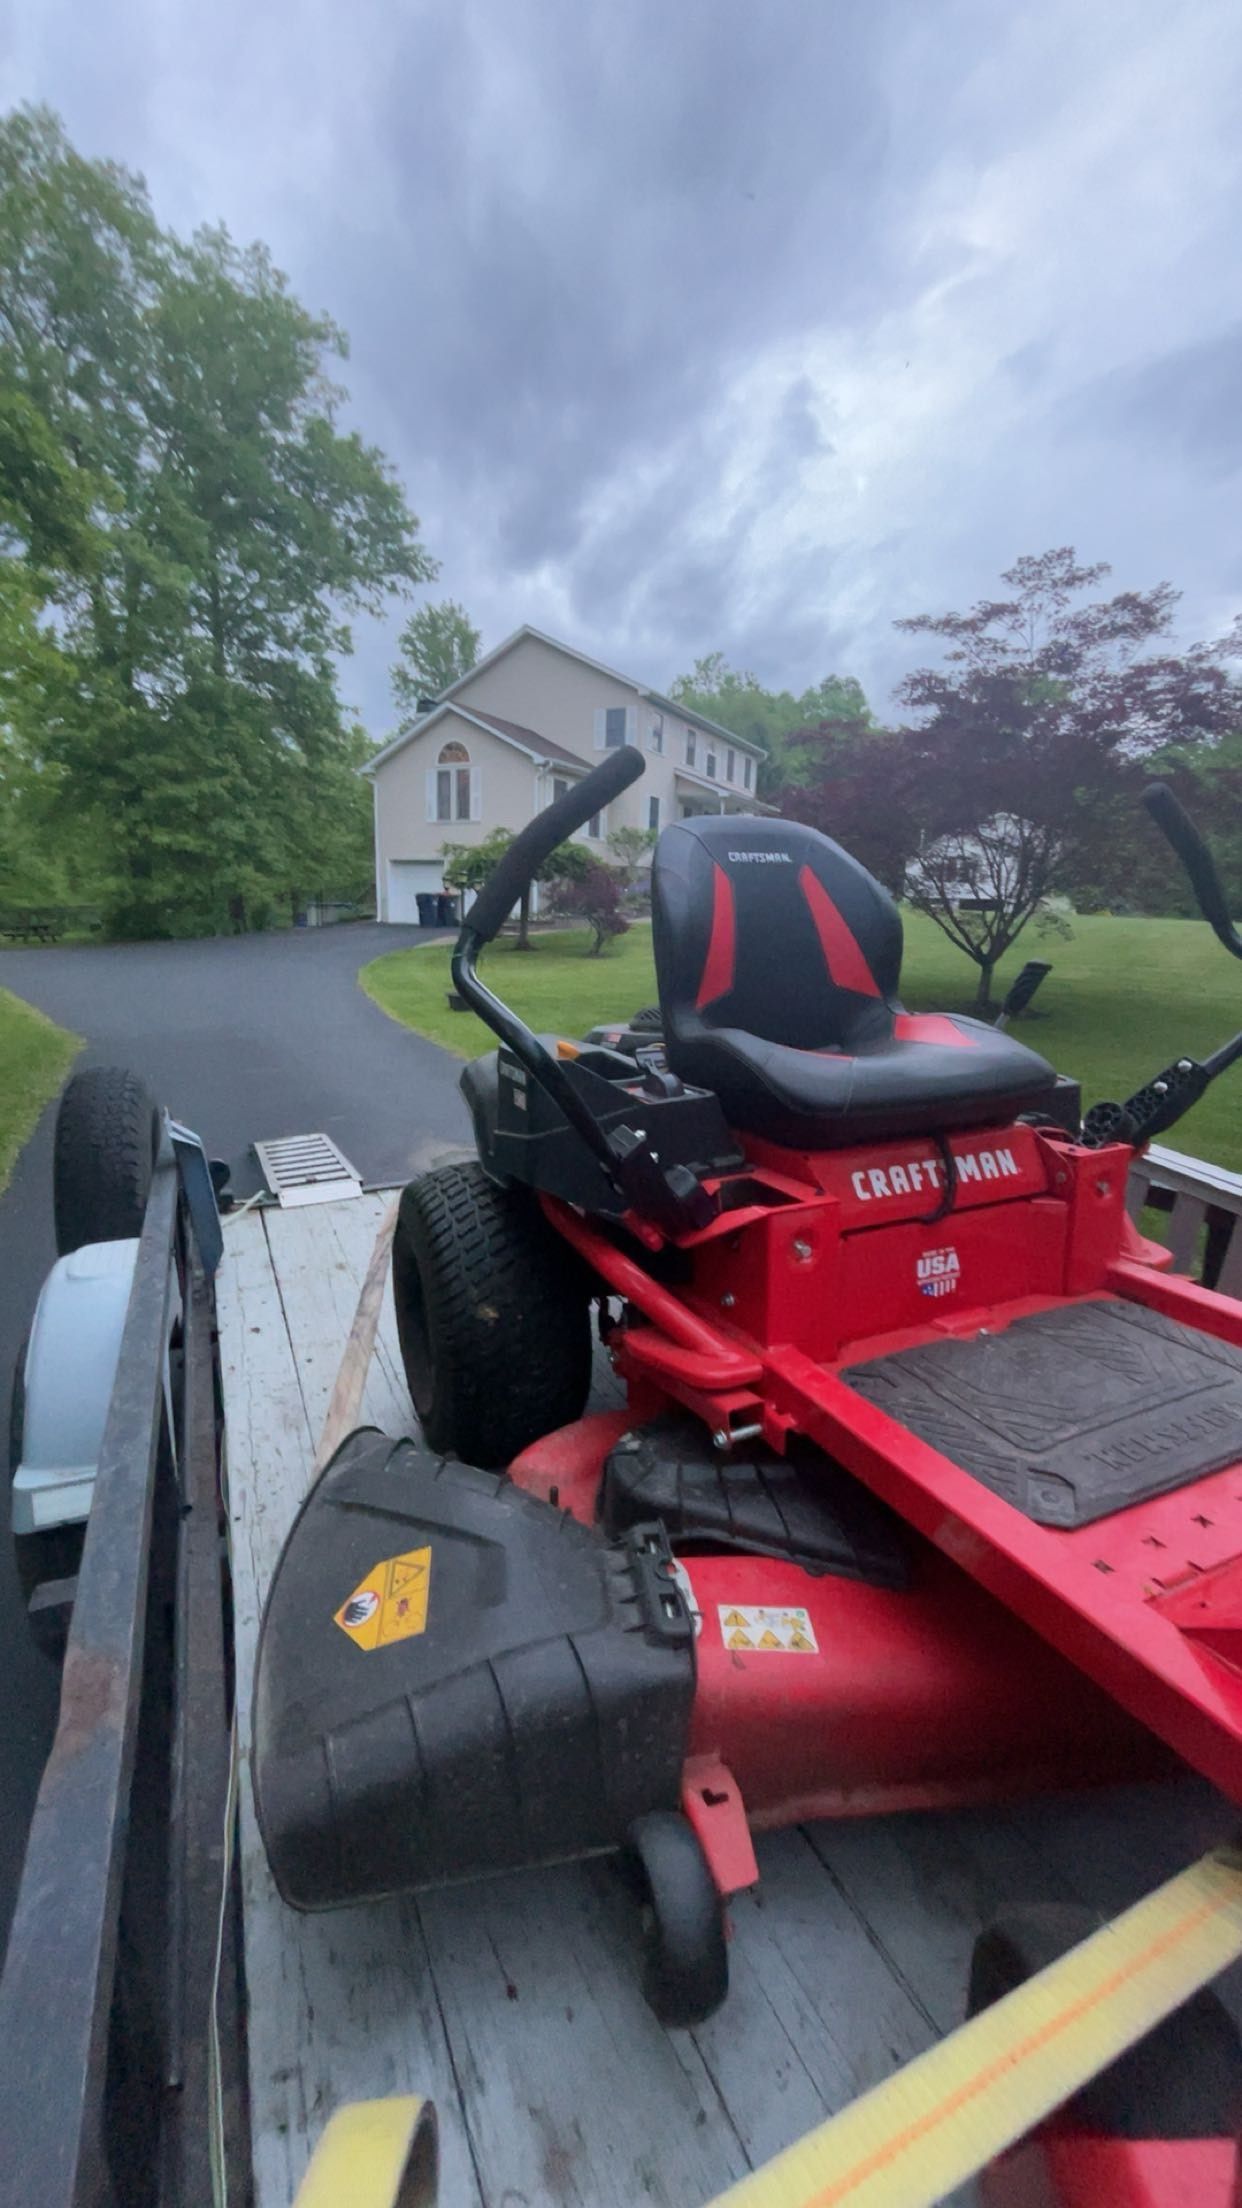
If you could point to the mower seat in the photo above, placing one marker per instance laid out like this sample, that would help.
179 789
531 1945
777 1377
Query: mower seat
778 959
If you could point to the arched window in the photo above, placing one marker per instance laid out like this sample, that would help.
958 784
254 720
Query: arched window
453 794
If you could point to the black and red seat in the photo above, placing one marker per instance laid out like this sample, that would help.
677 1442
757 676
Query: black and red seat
778 959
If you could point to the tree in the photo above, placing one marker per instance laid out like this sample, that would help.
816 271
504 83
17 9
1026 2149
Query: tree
595 897
1030 731
467 866
629 847
200 529
856 792
775 719
438 645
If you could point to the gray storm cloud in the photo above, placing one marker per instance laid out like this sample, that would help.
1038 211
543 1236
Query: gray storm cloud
719 325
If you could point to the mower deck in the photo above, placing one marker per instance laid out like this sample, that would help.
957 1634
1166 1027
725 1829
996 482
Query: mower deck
514 2002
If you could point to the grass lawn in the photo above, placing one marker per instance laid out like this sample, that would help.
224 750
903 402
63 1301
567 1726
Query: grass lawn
34 1059
1123 997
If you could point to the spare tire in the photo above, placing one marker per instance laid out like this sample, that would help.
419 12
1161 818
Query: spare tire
107 1135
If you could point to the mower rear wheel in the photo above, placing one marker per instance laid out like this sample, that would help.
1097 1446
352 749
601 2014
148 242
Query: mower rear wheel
493 1316
686 1962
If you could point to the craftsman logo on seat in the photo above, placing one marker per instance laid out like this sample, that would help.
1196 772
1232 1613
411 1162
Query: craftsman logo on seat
938 1272
874 1183
760 858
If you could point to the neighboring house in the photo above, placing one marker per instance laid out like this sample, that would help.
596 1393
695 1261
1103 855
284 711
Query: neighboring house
533 716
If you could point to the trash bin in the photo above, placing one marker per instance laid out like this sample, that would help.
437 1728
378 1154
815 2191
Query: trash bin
448 911
427 902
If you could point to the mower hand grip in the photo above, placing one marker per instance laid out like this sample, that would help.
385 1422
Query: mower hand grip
1193 852
539 839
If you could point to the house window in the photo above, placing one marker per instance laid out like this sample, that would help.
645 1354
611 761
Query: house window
692 747
709 766
595 827
453 783
657 733
730 764
747 766
653 812
616 720
560 787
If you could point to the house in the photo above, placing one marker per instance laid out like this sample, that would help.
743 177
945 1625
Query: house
507 738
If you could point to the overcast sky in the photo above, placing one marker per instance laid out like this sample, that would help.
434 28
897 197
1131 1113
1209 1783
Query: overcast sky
737 324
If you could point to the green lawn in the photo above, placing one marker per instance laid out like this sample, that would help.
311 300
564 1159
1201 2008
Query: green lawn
1124 996
34 1059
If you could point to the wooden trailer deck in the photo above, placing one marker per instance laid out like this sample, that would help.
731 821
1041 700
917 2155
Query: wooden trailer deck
515 2004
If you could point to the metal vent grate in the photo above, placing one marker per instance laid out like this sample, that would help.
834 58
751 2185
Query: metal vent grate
307 1169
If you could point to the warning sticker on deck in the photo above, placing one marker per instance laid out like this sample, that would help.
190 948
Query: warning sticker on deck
767 1631
390 1604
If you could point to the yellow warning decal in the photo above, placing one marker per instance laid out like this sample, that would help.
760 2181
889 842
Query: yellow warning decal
390 1604
768 1631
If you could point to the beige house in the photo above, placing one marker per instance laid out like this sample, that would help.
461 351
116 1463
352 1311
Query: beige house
509 737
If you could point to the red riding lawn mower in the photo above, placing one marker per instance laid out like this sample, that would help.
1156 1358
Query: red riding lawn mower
927 1487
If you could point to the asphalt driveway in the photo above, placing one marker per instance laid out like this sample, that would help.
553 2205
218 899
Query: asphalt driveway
243 1038
251 1036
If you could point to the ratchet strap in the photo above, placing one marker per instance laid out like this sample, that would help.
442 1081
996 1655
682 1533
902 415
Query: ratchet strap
925 2131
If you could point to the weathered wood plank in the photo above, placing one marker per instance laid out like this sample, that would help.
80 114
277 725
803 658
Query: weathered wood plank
1185 1227
342 2006
816 2013
320 1256
1229 1280
575 2097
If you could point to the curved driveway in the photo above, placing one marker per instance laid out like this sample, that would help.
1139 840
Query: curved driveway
250 1036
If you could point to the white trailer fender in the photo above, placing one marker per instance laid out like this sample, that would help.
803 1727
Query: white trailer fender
70 1366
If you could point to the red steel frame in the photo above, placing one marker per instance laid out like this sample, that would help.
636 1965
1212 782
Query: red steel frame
823 1259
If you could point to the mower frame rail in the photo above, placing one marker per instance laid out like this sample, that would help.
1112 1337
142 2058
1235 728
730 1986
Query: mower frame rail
110 2086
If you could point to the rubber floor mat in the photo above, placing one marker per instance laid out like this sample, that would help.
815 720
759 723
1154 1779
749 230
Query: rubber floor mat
1070 1414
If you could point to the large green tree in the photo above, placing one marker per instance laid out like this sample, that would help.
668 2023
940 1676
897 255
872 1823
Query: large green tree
776 719
197 530
438 645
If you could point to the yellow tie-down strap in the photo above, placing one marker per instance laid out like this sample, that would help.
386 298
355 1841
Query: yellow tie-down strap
375 2154
923 2132
933 2125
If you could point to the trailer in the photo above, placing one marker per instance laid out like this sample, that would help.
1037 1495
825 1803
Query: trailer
171 2032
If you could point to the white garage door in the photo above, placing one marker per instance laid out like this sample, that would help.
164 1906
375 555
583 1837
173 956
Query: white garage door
406 878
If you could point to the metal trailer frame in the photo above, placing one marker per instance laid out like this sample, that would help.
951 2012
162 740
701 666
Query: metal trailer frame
121 2014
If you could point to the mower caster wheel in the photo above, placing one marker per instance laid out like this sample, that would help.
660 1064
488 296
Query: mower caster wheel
686 1963
1183 2081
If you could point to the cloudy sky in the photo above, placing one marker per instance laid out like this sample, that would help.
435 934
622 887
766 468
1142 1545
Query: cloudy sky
737 324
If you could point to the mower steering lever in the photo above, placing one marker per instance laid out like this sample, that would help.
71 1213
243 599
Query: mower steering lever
1175 822
671 1197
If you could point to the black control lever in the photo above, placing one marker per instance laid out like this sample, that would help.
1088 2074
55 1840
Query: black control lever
671 1197
1176 823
